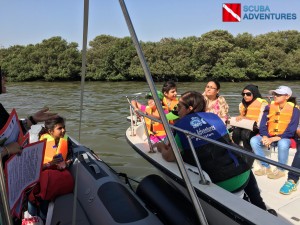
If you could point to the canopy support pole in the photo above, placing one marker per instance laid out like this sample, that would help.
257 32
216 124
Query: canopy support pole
190 188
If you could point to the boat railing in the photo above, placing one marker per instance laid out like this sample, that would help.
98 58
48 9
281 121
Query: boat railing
191 135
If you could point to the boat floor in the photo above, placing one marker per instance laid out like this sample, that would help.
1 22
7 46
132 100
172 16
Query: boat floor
285 205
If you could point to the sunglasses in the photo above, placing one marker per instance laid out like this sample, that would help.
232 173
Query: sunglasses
247 94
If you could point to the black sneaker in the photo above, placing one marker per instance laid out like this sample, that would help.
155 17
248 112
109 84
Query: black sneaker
272 211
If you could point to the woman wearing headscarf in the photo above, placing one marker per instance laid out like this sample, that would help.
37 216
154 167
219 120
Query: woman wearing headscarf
251 108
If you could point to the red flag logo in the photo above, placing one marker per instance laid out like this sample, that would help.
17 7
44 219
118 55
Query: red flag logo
231 12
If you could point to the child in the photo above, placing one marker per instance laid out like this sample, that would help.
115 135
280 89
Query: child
58 156
170 99
156 130
57 144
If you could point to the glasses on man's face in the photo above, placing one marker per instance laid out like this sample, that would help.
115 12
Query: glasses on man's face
278 95
210 87
247 94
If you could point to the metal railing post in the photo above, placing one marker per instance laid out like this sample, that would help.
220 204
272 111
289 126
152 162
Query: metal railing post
182 169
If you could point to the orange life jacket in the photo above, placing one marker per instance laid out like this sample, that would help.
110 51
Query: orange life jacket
153 127
170 105
278 120
52 149
253 110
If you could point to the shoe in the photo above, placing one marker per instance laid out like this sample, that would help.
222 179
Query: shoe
263 171
288 187
276 174
272 211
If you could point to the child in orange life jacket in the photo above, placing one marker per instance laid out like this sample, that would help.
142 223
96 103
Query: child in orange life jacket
170 99
156 130
58 153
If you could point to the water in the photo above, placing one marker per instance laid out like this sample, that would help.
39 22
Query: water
105 109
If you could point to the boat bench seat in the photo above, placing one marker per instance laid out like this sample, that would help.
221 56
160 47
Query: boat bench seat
61 211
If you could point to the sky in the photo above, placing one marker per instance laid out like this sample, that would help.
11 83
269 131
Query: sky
24 22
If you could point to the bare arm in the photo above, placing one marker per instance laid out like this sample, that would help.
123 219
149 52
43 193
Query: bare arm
136 105
10 149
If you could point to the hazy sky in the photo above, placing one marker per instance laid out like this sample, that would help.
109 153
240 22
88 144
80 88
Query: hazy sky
31 21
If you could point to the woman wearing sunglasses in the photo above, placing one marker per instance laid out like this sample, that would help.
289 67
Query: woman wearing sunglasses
278 126
251 108
214 102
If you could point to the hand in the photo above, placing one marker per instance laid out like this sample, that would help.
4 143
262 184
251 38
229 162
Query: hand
266 141
13 148
136 111
239 118
43 115
56 161
62 165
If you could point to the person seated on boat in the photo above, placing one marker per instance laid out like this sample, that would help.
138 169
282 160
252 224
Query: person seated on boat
251 108
215 103
224 168
58 142
58 156
7 150
216 161
277 127
293 178
156 130
170 100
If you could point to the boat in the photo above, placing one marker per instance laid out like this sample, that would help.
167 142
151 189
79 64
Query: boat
213 204
218 204
100 196
103 197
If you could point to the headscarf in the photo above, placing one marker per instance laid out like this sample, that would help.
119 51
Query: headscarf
255 93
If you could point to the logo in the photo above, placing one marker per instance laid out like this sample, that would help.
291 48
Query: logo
197 122
231 12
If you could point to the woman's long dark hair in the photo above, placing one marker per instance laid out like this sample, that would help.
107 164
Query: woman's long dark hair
194 99
50 125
